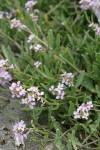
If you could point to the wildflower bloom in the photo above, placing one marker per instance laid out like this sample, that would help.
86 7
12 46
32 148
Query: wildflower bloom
30 38
29 101
60 91
3 63
17 90
33 95
37 64
95 27
52 89
83 110
11 66
5 77
20 133
34 17
30 4
5 14
17 24
31 47
67 78
85 4
8 15
37 47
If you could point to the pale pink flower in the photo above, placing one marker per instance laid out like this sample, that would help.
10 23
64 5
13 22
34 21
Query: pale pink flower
37 64
67 78
20 133
85 4
30 38
34 17
83 110
3 63
17 24
37 47
11 66
30 4
52 89
33 96
5 77
17 90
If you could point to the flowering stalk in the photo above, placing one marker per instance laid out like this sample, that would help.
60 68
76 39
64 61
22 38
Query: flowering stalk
17 90
83 111
5 76
59 91
20 132
33 96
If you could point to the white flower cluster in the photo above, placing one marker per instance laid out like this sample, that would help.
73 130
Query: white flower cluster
5 14
59 91
33 95
17 90
85 4
30 38
36 48
37 64
95 27
17 24
30 4
67 79
34 15
3 63
83 111
5 77
20 132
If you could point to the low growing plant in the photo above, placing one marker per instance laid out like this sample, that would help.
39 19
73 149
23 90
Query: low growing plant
52 65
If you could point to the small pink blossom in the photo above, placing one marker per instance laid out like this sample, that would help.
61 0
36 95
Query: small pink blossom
83 110
34 17
67 78
5 77
30 38
52 89
20 133
85 4
33 96
37 47
3 63
30 4
59 91
17 24
17 90
37 64
11 66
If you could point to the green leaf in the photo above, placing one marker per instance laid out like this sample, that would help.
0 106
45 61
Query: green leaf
50 38
69 145
9 54
71 109
36 114
97 91
57 141
58 41
75 142
88 84
80 79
